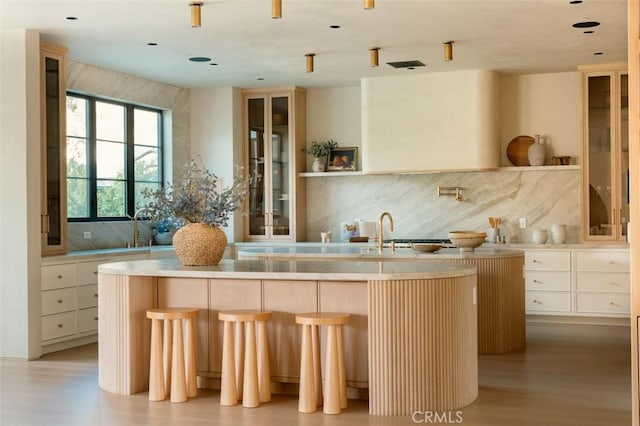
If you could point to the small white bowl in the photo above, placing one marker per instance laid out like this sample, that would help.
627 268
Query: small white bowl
467 240
425 247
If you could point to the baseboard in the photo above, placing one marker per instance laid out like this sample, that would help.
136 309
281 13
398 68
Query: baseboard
578 320
68 344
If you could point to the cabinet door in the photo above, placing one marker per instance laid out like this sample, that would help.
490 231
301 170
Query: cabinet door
53 142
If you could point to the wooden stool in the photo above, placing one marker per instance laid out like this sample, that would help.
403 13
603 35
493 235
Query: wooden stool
335 388
172 368
254 383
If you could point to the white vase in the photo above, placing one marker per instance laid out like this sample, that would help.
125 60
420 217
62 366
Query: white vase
319 164
558 234
539 236
537 152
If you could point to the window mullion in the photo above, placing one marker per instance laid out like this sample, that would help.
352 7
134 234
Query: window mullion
130 150
92 147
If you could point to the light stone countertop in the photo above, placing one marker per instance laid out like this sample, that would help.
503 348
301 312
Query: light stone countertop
284 270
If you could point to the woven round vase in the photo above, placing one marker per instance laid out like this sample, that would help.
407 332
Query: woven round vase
197 244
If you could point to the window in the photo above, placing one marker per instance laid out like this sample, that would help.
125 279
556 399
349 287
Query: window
114 150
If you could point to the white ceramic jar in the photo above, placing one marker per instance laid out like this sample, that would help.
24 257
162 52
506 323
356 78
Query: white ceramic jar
558 234
539 236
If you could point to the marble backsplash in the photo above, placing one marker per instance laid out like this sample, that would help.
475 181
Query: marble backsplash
104 235
543 197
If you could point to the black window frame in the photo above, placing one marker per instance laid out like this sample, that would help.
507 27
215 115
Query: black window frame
130 107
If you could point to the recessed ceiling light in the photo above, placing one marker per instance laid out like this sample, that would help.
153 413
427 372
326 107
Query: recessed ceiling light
152 43
598 53
589 32
586 24
575 2
199 59
335 27
72 18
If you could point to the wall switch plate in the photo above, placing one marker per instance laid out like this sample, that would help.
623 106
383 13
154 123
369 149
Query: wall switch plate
86 235
523 222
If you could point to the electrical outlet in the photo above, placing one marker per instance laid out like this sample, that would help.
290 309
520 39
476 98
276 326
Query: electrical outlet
86 235
523 222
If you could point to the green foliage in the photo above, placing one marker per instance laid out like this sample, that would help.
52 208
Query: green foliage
198 197
320 149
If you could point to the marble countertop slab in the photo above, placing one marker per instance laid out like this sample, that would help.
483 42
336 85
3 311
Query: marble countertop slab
286 270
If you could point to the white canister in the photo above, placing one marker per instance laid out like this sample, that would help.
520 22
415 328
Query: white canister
539 236
558 234
366 228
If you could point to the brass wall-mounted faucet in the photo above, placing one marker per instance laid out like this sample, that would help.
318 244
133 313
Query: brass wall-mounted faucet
449 191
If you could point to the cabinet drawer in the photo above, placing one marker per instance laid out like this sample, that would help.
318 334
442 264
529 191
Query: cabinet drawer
56 301
87 320
88 272
547 280
58 276
603 303
87 296
616 282
557 260
602 260
547 301
59 325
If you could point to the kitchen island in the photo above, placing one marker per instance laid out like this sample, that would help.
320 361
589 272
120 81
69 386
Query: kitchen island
501 289
411 341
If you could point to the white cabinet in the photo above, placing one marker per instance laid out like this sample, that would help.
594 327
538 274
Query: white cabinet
275 135
547 281
606 152
603 282
580 282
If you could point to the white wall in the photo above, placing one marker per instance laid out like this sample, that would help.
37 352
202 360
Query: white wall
334 113
544 104
20 194
215 136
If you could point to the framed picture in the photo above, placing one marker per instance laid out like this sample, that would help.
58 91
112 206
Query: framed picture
343 159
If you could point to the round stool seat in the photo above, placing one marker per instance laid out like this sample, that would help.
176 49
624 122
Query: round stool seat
322 318
172 313
244 315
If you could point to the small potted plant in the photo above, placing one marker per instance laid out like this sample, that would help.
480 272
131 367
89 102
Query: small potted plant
162 234
320 151
198 205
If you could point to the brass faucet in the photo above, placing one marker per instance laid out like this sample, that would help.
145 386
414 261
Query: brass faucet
136 232
380 231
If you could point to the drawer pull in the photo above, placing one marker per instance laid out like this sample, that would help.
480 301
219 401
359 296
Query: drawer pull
59 277
537 282
95 295
535 261
59 325
95 272
614 304
95 318
537 301
59 300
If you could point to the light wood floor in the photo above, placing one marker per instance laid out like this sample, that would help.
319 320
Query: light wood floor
568 375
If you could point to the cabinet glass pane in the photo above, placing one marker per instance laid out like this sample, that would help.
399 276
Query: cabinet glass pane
599 119
52 129
280 165
256 150
624 152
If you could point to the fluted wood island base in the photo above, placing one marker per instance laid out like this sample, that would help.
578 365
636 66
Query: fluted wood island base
416 323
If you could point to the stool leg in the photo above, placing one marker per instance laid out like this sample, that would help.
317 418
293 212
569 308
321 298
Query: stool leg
228 388
190 358
317 364
332 385
342 373
239 355
166 354
264 373
307 393
156 379
250 395
178 382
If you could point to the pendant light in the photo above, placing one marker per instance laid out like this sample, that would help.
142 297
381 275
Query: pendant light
369 4
276 9
310 61
375 60
448 51
196 18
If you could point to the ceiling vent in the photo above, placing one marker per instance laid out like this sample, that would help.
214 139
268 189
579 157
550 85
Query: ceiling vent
406 64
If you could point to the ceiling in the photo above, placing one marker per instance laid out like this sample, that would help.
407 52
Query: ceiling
511 36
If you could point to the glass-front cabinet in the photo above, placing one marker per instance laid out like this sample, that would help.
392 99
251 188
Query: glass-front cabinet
53 149
273 132
606 154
